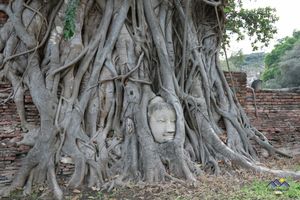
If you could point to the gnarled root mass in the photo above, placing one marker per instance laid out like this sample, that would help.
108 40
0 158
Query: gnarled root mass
92 67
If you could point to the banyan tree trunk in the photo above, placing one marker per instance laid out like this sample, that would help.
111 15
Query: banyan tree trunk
130 90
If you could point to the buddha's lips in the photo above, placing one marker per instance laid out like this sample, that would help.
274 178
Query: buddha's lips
169 135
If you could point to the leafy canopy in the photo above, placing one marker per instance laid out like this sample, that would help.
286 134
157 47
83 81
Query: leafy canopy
257 23
273 59
290 67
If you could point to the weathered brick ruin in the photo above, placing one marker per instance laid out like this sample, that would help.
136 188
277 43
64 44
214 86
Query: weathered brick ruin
278 113
278 117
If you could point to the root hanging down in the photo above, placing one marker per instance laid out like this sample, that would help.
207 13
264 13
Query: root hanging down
126 90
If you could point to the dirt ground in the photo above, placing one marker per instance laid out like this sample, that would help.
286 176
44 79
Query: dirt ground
226 186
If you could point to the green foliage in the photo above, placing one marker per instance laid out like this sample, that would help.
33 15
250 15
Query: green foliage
254 59
287 43
290 67
250 63
271 73
238 58
18 194
231 66
69 27
256 23
235 61
100 195
259 190
273 68
296 168
271 83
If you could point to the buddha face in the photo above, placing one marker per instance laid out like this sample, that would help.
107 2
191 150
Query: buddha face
162 121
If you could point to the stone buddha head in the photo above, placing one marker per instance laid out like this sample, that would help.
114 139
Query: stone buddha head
162 120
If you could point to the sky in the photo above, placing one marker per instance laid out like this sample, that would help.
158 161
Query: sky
289 20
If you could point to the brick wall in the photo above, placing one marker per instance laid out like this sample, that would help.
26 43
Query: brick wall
238 83
278 117
10 132
11 155
278 113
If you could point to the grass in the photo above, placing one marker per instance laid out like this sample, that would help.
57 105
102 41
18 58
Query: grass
18 194
296 168
259 190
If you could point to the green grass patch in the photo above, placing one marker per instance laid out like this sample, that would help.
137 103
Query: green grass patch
296 168
259 190
18 194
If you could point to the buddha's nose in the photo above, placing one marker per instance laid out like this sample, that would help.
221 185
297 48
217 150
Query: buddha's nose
170 127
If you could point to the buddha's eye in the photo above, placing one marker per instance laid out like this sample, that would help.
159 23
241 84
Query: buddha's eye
162 120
